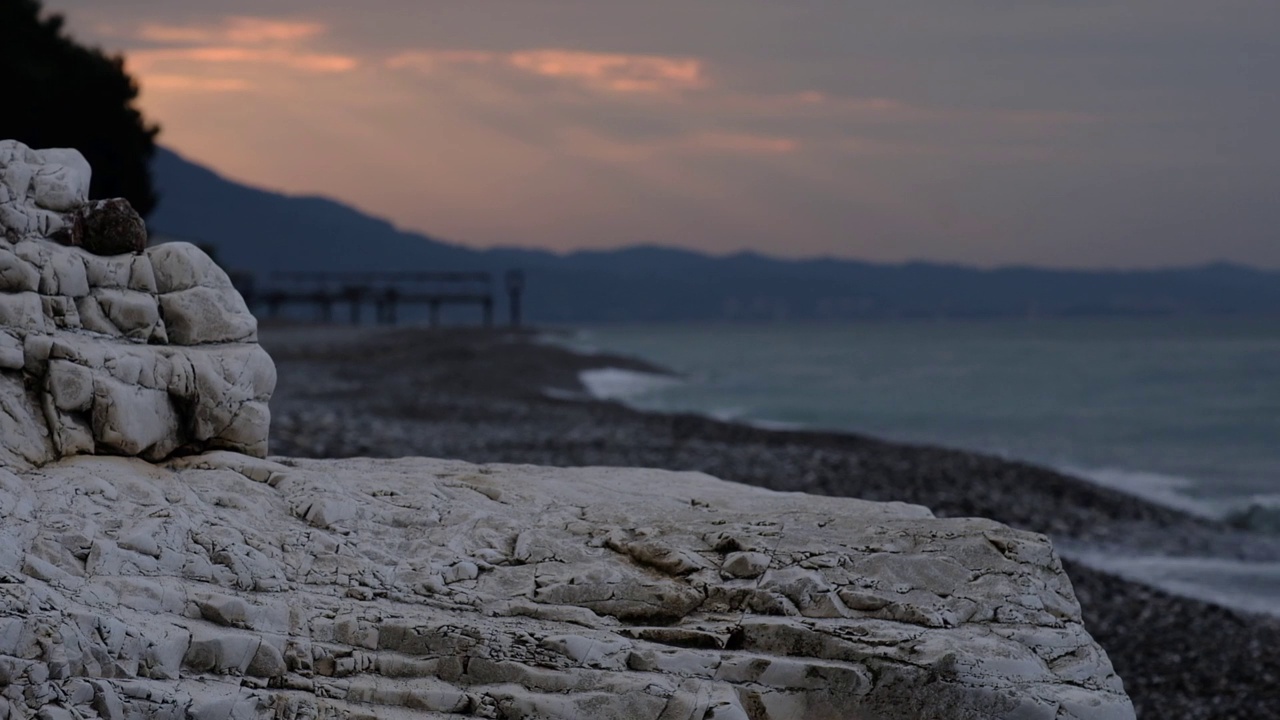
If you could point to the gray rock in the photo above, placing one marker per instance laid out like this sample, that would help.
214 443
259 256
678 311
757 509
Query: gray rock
745 564
422 594
11 357
61 181
201 315
16 274
138 354
38 188
133 313
267 662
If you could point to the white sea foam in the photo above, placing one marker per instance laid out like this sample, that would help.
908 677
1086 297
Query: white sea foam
1168 490
728 414
1248 586
619 384
1259 512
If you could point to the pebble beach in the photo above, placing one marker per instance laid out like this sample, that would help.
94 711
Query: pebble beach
510 397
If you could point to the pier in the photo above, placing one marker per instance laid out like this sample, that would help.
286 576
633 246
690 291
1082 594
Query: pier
385 293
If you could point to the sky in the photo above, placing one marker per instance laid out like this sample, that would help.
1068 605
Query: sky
1063 133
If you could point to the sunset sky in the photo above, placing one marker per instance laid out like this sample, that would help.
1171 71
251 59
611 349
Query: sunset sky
1082 133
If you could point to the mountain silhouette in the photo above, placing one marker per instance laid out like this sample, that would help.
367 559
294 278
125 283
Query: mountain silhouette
262 232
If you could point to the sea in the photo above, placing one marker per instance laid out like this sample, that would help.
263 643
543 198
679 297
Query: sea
1182 412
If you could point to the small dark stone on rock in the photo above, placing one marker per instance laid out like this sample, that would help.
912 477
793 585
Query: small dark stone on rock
105 227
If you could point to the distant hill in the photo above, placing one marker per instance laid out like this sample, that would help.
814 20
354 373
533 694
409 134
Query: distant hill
261 232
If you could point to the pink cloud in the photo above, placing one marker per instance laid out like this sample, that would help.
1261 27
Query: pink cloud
144 60
192 83
244 41
615 72
234 30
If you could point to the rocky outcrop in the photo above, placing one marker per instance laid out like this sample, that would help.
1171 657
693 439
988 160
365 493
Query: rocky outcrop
147 353
188 581
220 586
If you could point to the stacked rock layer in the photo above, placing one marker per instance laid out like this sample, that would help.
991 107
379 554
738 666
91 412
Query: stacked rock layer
145 353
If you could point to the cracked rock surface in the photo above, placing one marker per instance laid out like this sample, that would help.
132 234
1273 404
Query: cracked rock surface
223 586
143 353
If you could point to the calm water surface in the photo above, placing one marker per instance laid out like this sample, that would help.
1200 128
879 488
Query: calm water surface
1183 411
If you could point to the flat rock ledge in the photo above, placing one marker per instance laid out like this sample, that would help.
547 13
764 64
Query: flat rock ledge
145 353
221 586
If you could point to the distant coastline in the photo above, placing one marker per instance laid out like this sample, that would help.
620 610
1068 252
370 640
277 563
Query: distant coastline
261 232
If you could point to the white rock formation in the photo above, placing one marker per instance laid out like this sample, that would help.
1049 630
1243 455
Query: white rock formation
138 354
221 586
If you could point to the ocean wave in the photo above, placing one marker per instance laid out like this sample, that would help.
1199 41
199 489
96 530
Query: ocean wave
1247 586
1159 488
620 384
1257 513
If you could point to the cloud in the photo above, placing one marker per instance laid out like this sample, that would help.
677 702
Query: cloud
200 58
234 30
613 72
147 60
621 73
192 83
641 108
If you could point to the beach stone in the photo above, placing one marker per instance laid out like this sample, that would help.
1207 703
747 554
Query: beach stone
435 586
117 348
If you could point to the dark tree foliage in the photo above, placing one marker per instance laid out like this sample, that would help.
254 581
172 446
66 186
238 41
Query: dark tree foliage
58 93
